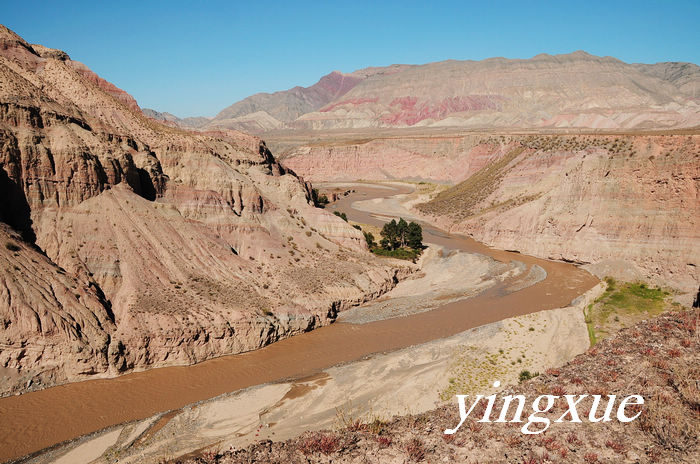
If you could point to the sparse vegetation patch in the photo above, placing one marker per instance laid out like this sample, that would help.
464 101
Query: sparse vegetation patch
623 304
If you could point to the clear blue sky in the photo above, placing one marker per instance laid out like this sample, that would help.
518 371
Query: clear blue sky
195 58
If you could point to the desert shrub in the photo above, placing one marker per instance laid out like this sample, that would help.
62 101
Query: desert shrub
558 390
320 200
342 216
384 442
617 446
415 449
526 375
326 443
399 253
686 381
369 238
377 426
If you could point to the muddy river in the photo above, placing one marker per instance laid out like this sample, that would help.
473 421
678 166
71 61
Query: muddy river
37 420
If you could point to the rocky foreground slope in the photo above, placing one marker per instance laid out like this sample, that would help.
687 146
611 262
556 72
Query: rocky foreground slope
658 359
575 90
626 203
127 244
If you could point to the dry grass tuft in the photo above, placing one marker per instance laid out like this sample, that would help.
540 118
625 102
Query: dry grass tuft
668 422
326 443
415 449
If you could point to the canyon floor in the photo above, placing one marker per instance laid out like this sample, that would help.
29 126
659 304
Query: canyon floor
428 319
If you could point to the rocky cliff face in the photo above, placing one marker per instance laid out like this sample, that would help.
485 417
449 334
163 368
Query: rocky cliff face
144 245
46 316
439 158
627 203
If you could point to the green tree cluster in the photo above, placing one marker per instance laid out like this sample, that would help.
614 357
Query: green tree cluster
320 200
369 238
401 234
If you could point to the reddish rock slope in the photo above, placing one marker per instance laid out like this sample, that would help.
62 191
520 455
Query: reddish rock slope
265 111
560 91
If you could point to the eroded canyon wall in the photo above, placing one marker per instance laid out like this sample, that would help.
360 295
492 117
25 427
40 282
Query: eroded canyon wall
129 244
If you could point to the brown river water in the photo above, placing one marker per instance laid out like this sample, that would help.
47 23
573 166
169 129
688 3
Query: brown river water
40 419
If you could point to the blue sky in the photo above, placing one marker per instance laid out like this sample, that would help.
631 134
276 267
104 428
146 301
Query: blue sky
195 58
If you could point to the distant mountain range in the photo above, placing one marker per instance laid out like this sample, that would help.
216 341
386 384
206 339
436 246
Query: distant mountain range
576 90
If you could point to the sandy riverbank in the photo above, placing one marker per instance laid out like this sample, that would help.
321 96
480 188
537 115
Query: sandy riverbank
445 276
410 380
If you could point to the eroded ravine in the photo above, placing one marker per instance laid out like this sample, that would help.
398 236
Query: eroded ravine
40 419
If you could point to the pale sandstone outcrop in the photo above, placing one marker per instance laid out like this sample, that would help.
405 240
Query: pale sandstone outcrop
434 158
190 245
